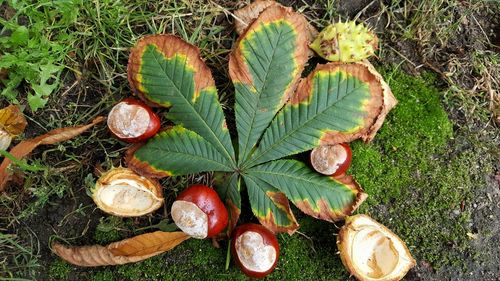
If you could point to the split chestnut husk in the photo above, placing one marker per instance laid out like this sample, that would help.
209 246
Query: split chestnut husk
122 192
370 251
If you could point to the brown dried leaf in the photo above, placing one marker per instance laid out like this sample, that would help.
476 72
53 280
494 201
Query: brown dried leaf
26 147
126 251
93 255
12 120
148 243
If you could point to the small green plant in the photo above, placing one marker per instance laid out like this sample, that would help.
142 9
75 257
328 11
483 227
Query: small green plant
32 53
276 117
108 229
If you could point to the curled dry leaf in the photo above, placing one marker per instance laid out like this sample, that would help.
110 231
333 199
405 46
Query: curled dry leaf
126 251
27 146
12 124
93 255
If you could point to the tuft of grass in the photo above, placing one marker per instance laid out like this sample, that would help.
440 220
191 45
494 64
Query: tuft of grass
18 259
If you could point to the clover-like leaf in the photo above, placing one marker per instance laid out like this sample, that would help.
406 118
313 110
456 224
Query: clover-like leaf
167 71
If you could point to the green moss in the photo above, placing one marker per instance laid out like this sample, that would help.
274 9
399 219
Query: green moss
59 270
311 256
415 183
106 275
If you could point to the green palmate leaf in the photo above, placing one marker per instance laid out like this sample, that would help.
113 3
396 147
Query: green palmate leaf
265 66
335 103
322 197
177 151
228 188
167 71
270 206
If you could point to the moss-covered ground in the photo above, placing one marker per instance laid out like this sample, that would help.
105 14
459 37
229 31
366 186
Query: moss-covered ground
416 187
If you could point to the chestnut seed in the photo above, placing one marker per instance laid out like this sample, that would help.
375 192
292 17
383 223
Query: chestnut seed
133 121
331 159
255 250
199 212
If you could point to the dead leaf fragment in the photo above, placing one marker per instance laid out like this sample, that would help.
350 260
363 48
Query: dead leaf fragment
12 120
126 251
25 147
281 201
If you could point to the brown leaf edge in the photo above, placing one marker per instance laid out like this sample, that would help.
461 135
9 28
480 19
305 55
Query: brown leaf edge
25 147
325 213
245 16
238 69
361 196
140 167
281 201
169 45
126 251
389 102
